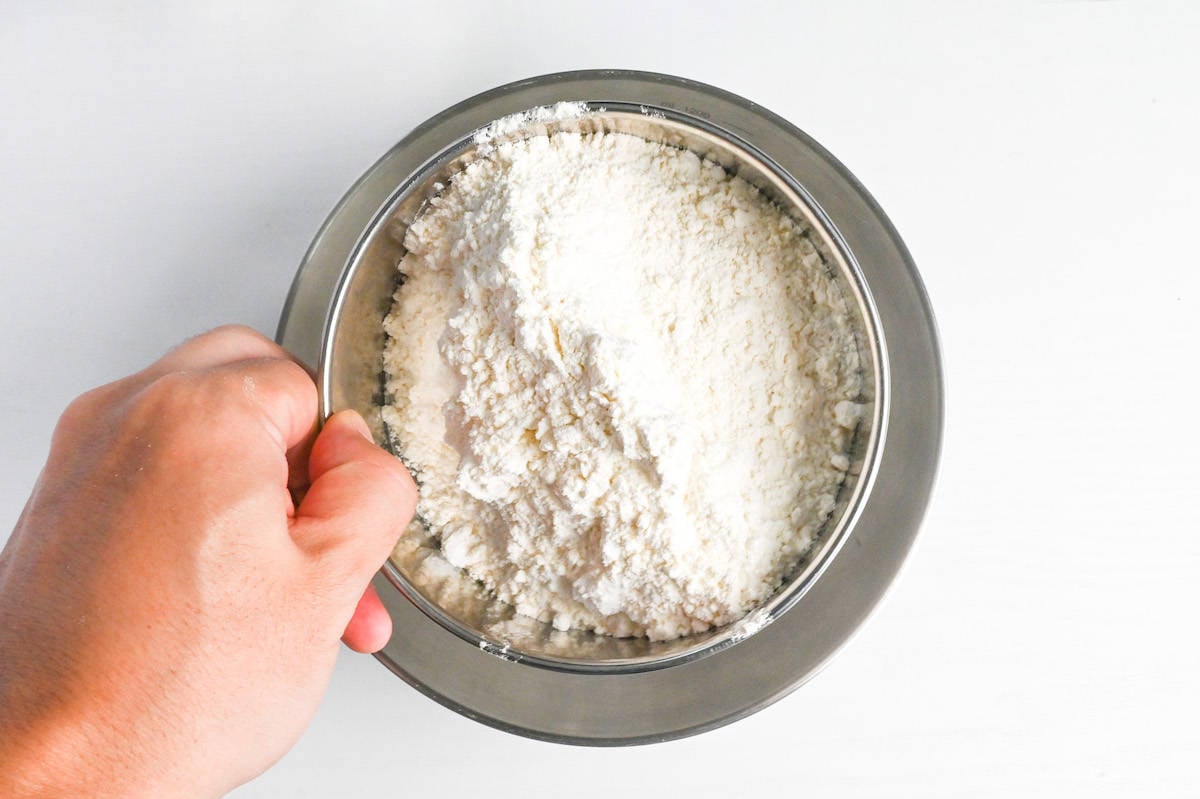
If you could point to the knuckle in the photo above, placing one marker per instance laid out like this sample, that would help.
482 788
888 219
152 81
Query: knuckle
272 372
223 344
83 413
290 371
340 548
240 333
84 407
166 393
390 474
177 404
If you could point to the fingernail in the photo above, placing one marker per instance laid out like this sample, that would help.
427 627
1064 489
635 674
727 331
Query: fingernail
355 420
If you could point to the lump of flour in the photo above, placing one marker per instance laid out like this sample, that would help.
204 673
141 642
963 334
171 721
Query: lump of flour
624 381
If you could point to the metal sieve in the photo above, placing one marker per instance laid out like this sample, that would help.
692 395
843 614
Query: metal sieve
478 656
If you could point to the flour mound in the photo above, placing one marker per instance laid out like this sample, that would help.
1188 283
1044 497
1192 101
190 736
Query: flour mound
624 381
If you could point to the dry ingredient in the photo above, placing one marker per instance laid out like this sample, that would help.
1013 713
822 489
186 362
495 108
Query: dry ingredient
624 381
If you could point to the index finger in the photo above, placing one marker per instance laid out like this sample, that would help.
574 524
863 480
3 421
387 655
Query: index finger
289 404
217 347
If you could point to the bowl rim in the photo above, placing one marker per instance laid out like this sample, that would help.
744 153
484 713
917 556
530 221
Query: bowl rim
829 541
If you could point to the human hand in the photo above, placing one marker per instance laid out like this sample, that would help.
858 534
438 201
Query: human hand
169 616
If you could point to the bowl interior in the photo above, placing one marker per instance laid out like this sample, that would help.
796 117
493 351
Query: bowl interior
351 377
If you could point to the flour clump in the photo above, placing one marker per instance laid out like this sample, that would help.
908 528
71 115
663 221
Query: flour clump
624 380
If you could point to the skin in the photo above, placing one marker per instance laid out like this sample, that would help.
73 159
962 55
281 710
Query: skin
172 597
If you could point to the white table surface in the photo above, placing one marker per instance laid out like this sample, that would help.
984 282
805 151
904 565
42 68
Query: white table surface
164 167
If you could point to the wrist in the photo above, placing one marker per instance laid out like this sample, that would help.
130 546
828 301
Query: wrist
56 753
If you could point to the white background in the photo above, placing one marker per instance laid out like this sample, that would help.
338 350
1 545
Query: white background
164 167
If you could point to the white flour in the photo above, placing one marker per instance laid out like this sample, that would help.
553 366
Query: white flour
624 382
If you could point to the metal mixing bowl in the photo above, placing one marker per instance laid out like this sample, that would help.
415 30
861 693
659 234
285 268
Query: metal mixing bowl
520 674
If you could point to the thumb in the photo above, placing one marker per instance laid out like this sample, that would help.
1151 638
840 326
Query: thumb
359 501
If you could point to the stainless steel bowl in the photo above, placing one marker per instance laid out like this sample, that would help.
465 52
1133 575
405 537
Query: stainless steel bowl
581 687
